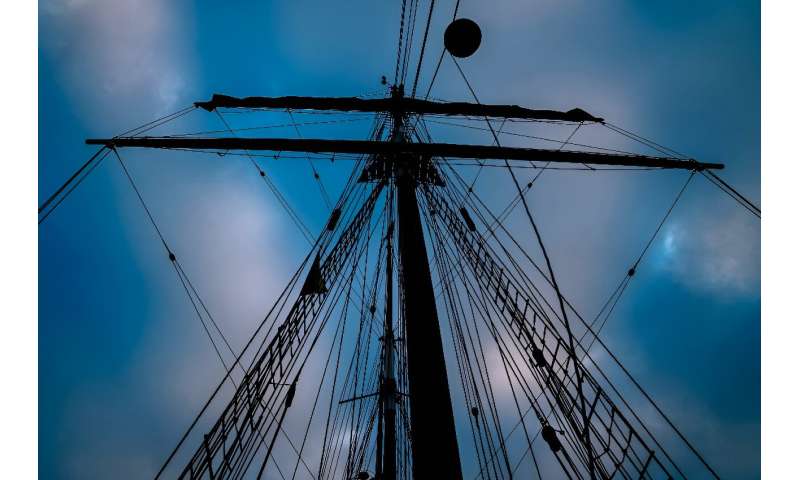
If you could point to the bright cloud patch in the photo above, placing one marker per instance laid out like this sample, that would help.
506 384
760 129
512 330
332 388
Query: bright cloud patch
723 257
122 53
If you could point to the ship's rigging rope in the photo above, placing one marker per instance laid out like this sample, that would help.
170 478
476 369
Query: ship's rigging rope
273 314
351 118
412 22
314 172
605 348
710 176
533 137
466 350
195 298
617 294
76 178
534 287
72 183
422 49
480 206
274 189
733 193
570 335
400 43
473 291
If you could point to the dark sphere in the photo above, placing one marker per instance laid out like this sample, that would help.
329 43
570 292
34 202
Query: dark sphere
462 38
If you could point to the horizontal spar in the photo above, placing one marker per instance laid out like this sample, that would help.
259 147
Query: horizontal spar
368 147
404 105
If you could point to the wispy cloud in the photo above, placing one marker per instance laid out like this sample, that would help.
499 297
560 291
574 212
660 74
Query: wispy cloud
717 254
119 58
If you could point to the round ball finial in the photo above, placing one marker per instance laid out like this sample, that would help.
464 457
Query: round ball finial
462 38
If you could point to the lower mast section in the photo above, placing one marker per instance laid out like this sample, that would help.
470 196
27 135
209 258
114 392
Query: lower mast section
434 446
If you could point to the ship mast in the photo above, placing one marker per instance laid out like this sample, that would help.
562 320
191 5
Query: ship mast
434 445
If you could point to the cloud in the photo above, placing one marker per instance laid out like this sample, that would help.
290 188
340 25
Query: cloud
117 59
717 254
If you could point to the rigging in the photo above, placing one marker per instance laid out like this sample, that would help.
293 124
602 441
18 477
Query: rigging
394 408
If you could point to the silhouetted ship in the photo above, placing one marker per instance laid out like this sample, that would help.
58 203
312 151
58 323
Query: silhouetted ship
378 403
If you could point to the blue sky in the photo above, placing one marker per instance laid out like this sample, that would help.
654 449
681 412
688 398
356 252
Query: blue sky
122 362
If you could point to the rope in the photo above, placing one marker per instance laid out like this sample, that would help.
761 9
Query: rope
730 191
711 176
483 163
187 285
71 189
624 369
530 217
441 57
304 230
156 123
412 19
632 271
545 139
422 49
315 173
70 179
104 150
400 43
265 127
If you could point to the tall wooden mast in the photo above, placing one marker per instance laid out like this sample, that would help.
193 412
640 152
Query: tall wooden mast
434 446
